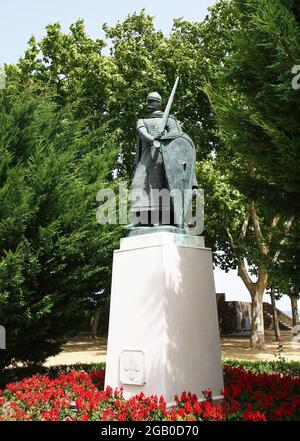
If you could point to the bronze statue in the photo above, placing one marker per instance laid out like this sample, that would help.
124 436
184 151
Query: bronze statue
164 161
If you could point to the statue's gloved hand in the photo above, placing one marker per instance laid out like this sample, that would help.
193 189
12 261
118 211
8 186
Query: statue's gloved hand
158 135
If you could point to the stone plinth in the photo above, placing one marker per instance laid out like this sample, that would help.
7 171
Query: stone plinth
163 330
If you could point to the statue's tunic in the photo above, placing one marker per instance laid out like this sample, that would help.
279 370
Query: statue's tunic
149 171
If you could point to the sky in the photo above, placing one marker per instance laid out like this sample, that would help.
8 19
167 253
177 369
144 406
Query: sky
20 19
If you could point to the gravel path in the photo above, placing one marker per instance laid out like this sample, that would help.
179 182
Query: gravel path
83 349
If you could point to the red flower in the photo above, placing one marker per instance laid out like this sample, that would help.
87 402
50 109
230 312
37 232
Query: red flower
254 416
247 396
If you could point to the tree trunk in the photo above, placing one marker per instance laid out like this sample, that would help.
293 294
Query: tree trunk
294 313
95 323
275 316
257 339
256 290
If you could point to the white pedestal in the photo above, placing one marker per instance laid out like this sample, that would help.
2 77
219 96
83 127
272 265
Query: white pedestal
163 329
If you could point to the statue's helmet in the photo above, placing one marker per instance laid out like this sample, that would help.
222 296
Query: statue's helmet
155 96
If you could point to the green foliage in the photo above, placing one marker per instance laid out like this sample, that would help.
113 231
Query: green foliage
12 375
235 100
72 66
112 89
268 367
54 257
255 103
258 113
225 208
260 367
285 273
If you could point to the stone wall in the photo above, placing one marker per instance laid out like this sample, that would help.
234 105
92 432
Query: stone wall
234 317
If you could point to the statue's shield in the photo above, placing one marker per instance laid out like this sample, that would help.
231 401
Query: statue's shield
179 159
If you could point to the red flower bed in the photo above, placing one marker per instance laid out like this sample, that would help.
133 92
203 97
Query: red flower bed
272 396
78 396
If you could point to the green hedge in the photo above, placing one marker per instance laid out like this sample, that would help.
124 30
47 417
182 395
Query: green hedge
17 374
269 367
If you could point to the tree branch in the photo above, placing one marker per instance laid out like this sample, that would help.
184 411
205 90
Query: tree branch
260 240
274 224
244 275
232 244
243 231
262 279
245 224
284 240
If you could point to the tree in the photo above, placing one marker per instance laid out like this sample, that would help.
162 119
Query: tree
286 273
54 257
272 292
70 65
137 47
112 91
260 109
257 112
241 232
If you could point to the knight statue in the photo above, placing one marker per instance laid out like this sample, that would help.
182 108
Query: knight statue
164 161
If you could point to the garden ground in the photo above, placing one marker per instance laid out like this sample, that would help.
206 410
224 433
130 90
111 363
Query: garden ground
83 349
